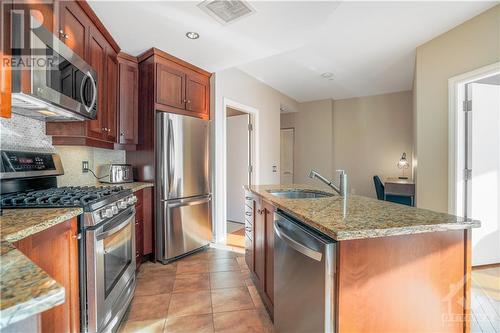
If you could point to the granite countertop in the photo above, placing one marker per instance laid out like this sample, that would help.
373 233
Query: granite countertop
360 217
25 289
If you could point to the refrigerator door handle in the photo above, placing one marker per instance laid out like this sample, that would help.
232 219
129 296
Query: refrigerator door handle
188 201
163 157
171 155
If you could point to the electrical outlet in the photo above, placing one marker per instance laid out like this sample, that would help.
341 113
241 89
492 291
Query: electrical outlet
85 166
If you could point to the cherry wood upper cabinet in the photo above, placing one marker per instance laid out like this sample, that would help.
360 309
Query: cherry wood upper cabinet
81 30
73 26
128 99
97 59
111 95
170 86
197 93
55 250
178 86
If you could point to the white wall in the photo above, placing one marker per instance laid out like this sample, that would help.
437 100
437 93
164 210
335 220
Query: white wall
236 166
471 45
313 139
234 85
369 135
365 136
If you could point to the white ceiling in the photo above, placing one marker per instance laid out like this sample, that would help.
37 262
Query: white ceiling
368 46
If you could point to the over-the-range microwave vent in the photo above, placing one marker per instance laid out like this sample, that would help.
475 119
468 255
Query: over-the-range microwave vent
226 11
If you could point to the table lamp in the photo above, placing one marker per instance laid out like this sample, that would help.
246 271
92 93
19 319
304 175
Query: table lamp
403 164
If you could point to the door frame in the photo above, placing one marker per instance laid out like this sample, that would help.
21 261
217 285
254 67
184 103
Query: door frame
220 162
456 132
293 148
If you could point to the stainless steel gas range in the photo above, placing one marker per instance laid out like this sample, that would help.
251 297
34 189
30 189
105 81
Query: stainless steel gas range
106 232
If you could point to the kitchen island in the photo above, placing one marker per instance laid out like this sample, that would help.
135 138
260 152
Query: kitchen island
397 268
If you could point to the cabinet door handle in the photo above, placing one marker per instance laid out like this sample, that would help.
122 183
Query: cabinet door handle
248 198
122 134
188 101
248 214
184 101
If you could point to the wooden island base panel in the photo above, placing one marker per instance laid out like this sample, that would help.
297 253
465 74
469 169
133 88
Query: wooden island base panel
398 268
409 283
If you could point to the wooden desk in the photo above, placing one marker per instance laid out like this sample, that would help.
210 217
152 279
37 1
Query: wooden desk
401 187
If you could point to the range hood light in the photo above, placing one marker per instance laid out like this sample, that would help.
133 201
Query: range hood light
47 113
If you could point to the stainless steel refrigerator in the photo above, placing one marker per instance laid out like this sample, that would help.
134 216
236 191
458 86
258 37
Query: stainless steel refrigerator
183 197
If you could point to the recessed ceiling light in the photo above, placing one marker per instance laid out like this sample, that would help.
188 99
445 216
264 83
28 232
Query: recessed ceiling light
192 35
327 75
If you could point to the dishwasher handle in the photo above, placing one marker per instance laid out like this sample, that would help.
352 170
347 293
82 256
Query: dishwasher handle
296 245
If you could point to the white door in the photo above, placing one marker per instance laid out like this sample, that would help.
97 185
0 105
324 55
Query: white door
286 156
237 167
483 162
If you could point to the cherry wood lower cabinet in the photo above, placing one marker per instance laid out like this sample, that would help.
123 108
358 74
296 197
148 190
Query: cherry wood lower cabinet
410 283
260 248
55 250
144 239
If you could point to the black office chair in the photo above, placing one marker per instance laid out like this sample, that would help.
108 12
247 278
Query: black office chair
379 188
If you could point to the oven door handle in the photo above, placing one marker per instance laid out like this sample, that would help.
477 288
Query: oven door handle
115 229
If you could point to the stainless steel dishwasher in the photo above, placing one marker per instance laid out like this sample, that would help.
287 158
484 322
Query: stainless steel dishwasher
304 278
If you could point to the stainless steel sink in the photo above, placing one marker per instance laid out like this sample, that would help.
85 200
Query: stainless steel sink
300 194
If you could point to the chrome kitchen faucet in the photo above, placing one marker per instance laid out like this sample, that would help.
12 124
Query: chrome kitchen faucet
340 189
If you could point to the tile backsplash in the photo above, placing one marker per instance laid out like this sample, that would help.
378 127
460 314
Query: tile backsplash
72 158
22 133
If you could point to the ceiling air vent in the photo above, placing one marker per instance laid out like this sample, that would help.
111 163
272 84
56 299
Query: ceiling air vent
226 11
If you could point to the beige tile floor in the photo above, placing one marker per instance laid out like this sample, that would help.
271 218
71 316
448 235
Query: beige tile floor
210 291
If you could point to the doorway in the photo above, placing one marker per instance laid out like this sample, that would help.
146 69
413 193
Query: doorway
474 181
287 138
482 166
474 158
238 173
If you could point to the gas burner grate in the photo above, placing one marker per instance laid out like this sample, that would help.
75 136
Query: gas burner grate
68 196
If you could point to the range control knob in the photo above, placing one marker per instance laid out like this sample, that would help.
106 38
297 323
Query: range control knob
107 213
122 204
132 200
114 209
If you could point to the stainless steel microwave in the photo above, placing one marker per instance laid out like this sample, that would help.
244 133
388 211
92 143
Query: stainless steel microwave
49 81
